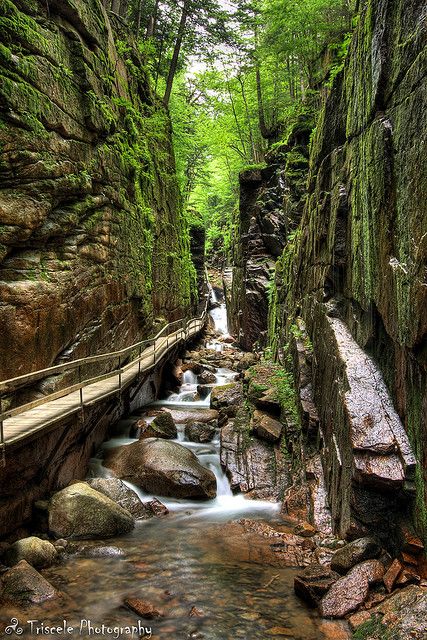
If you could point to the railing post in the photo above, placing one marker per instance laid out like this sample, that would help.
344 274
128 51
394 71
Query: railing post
154 351
2 443
139 363
81 388
120 373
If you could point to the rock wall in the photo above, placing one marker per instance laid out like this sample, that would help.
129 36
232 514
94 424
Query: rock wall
270 208
357 266
93 244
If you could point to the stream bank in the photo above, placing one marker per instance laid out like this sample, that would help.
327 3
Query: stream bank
220 568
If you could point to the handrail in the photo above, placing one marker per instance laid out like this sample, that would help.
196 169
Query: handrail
181 326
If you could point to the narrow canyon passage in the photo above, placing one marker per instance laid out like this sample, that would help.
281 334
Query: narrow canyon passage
210 567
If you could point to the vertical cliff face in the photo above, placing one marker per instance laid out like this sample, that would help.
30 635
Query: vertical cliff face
271 204
356 271
93 245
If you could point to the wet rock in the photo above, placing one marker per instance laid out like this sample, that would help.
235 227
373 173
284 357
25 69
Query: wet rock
355 552
101 552
227 399
196 613
199 432
163 426
265 427
162 467
359 618
392 575
23 585
206 377
305 530
254 467
246 360
203 390
312 583
206 416
195 367
347 594
143 608
38 553
403 615
156 508
78 511
120 493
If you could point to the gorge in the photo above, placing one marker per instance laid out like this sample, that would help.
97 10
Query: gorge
249 249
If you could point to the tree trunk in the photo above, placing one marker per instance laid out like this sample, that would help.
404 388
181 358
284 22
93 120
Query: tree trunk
176 51
152 21
115 6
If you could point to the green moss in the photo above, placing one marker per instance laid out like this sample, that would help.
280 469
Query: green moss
373 629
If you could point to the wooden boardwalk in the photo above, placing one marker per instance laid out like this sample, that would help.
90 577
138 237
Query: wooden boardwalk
30 421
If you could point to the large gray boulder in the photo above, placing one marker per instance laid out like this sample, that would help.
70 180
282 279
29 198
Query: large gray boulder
119 492
162 467
80 512
353 553
163 426
38 553
23 585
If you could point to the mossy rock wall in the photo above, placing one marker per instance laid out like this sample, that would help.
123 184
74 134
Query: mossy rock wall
360 253
93 244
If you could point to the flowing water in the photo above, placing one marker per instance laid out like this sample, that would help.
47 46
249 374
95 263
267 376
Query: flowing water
197 559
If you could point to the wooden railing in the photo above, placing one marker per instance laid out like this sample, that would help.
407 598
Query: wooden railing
119 363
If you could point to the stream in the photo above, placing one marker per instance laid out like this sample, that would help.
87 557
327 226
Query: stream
193 560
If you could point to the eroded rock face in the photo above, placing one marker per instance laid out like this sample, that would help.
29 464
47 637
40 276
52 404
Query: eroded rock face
163 468
163 426
23 585
80 512
81 230
360 260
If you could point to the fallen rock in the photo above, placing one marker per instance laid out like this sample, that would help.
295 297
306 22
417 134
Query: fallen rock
78 511
162 467
392 575
358 619
312 583
38 553
119 492
199 432
163 426
353 553
156 508
206 377
265 427
196 613
404 615
305 530
24 585
227 399
348 593
143 608
203 390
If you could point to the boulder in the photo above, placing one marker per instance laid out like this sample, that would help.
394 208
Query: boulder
312 583
38 553
199 432
164 468
119 492
78 511
392 575
404 615
227 399
23 585
206 378
353 553
348 593
265 427
143 608
203 390
163 426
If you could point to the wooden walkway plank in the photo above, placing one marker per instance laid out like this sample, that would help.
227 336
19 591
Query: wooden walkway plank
34 420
